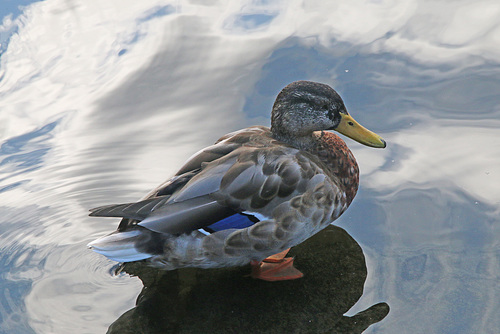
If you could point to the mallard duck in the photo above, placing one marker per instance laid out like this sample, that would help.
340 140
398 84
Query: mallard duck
252 195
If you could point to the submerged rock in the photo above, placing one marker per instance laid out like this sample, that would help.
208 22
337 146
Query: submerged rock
228 301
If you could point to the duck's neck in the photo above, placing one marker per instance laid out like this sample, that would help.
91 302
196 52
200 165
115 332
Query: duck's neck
307 142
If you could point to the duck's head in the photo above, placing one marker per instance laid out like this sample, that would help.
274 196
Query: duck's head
303 107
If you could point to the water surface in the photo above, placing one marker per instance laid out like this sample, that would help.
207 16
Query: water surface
102 101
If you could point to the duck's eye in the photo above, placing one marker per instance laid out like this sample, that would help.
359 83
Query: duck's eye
350 123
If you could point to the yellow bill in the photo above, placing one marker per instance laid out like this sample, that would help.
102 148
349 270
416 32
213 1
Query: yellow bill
352 129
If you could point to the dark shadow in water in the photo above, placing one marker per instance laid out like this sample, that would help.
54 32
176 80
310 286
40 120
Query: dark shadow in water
228 301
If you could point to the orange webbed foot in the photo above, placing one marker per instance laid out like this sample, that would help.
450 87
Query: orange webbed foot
277 267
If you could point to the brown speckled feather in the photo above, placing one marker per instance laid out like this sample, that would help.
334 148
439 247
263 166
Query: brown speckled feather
342 165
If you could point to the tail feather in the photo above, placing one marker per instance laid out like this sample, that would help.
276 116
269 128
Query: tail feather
120 246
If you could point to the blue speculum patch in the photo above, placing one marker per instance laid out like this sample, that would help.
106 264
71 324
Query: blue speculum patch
238 221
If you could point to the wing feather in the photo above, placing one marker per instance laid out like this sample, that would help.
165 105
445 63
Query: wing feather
186 216
207 154
225 179
138 210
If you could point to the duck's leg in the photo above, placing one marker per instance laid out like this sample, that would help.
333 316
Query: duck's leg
277 267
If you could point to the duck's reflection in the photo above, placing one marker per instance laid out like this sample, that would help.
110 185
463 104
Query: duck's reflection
227 301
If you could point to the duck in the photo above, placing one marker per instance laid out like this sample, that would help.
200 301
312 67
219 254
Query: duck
251 196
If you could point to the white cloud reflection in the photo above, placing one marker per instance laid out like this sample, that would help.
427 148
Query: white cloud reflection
126 80
464 153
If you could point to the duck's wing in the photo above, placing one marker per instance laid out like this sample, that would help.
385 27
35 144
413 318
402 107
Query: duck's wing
172 218
179 217
227 185
140 210
233 192
137 210
192 167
